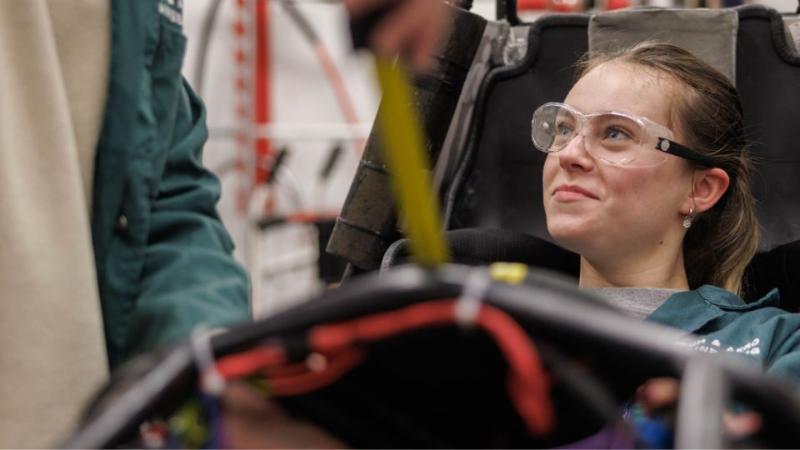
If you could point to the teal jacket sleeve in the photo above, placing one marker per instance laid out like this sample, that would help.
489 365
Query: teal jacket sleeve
783 359
190 277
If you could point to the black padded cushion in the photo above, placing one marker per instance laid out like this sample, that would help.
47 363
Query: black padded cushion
476 246
768 80
498 184
777 268
483 246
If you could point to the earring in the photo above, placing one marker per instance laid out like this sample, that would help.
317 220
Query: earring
687 221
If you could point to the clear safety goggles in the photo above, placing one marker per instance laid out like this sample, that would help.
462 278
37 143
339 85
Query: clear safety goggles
612 137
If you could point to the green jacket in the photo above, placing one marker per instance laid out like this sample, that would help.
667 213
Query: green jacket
724 323
163 258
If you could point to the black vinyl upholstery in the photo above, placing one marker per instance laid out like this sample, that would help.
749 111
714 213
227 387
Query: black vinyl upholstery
480 246
498 184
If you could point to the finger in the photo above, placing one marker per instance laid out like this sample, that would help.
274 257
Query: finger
252 421
741 425
399 32
359 8
658 393
429 39
393 32
421 54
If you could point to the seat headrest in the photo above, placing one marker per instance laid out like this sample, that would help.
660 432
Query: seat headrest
792 25
707 33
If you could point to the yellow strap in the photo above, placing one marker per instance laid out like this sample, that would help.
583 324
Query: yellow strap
404 151
511 273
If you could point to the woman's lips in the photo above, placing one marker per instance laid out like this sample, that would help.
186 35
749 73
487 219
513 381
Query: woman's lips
571 193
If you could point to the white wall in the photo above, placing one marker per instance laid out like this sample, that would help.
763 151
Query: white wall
301 96
780 5
302 99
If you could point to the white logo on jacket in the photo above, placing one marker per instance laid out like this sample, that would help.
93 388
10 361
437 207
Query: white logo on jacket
702 345
172 10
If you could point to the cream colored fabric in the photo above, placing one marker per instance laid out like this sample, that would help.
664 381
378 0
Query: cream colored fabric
708 33
54 64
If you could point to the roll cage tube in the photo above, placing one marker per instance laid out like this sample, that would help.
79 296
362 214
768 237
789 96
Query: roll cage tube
561 316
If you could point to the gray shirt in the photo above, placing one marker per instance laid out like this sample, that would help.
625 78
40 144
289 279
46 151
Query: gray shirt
636 301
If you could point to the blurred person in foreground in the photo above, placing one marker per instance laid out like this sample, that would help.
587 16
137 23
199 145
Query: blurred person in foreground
412 29
110 244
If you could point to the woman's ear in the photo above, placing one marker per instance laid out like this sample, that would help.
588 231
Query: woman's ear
708 186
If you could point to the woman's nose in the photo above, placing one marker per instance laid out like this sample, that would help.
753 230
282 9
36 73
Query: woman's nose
575 154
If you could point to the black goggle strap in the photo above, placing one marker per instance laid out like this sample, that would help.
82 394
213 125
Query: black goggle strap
667 146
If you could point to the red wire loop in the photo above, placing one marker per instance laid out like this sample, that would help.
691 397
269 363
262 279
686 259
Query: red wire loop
376 327
341 343
337 367
528 383
249 362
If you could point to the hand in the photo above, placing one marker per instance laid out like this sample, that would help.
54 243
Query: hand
252 421
413 29
660 394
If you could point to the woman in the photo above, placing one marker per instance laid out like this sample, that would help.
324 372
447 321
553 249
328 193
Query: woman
638 215
648 179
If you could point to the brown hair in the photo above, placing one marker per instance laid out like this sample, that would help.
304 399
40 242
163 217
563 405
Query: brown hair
722 241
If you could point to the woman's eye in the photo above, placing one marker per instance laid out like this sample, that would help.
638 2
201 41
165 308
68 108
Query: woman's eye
616 134
563 129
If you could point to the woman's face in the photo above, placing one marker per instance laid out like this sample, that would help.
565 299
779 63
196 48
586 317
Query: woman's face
605 211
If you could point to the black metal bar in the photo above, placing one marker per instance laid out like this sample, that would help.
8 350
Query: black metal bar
547 307
507 10
703 398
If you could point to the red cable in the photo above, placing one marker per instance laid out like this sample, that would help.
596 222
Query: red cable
528 384
284 371
375 327
340 90
311 217
311 381
528 5
242 110
261 113
251 361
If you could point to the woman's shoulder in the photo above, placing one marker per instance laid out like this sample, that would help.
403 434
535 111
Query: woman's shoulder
721 322
710 308
728 301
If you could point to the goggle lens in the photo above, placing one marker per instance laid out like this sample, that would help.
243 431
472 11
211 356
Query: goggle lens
612 137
